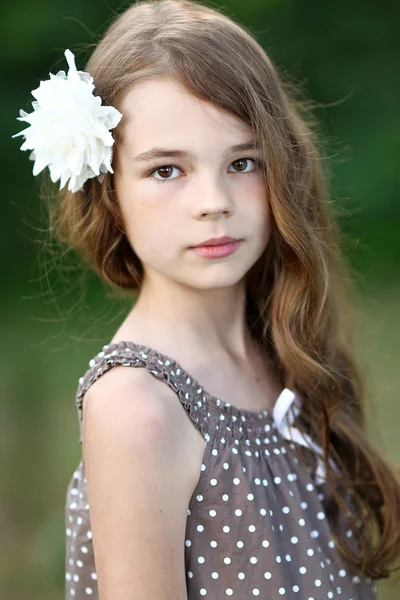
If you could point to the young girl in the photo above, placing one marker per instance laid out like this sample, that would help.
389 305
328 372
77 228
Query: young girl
231 458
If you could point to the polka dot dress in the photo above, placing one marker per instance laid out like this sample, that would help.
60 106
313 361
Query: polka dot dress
256 524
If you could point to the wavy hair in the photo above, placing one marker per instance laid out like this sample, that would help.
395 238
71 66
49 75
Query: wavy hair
299 292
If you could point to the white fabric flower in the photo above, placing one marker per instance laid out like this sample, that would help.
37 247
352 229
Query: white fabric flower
69 129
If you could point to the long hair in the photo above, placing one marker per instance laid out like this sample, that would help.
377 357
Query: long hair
299 290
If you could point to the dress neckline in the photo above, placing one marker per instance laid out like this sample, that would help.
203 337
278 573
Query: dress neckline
281 417
213 402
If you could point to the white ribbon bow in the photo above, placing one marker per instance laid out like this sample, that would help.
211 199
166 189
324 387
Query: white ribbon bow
283 418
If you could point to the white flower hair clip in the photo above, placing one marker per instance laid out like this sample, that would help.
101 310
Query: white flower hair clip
69 129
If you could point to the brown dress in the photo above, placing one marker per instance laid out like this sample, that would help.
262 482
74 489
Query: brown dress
256 523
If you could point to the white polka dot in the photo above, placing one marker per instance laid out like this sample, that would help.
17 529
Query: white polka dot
267 575
286 510
236 481
227 560
303 570
241 575
200 528
318 582
320 515
342 573
214 575
302 522
253 560
229 592
310 487
201 559
238 512
294 539
295 588
250 496
252 528
282 591
212 513
226 529
89 590
265 543
255 592
239 544
277 480
225 497
310 552
349 533
93 576
213 482
203 592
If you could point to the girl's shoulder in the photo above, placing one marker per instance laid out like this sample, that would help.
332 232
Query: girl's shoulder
164 368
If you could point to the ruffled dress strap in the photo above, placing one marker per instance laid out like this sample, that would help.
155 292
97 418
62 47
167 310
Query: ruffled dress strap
129 354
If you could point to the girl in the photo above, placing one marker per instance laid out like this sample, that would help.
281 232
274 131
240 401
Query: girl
232 459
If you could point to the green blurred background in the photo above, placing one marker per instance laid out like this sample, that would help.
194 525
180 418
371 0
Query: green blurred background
56 316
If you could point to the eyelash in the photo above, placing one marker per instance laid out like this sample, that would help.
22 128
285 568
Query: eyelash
257 161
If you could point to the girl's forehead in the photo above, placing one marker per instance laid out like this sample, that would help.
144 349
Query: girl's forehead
164 106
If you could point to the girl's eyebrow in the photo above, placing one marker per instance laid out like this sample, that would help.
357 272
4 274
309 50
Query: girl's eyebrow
157 153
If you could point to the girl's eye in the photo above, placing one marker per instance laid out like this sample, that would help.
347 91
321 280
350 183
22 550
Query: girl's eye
167 169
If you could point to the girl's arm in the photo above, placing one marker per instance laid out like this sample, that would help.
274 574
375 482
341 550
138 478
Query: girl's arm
138 484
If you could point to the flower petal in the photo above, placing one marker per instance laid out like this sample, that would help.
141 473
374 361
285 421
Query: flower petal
69 129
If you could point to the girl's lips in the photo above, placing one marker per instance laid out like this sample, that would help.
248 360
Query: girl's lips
217 251
225 239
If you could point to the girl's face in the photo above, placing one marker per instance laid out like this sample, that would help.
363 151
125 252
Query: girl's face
202 188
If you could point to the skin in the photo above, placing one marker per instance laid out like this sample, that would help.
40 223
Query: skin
187 301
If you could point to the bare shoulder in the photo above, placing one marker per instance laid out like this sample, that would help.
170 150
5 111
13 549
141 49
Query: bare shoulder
144 410
130 394
139 483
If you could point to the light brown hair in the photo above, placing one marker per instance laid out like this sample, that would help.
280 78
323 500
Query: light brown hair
299 291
